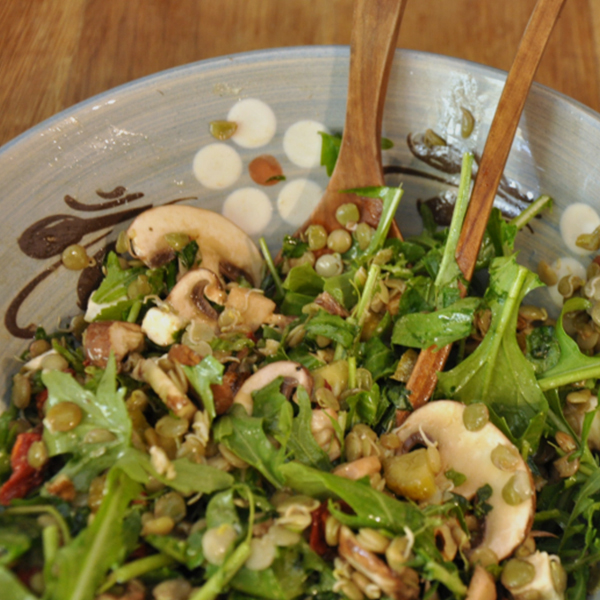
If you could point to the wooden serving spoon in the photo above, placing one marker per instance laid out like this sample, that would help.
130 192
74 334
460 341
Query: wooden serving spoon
375 26
497 147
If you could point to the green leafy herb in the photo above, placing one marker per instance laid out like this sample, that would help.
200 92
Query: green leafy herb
455 477
371 508
11 586
104 410
81 566
543 349
189 477
439 328
333 327
246 438
207 372
293 247
497 372
301 440
572 365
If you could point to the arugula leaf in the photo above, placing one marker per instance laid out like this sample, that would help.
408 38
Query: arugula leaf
190 478
188 255
303 279
497 372
293 303
371 508
80 566
501 234
293 247
333 327
366 406
272 406
419 296
342 288
246 438
439 328
11 586
378 358
543 349
301 440
104 409
285 579
221 510
13 543
572 365
208 371
330 148
117 280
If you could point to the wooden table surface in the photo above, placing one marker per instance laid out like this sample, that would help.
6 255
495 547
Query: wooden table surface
54 53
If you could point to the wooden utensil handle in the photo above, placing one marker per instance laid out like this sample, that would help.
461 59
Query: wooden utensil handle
495 154
374 33
503 129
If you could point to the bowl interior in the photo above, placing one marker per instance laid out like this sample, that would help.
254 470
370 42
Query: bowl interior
82 175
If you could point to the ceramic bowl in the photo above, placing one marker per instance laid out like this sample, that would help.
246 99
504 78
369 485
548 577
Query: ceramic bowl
82 175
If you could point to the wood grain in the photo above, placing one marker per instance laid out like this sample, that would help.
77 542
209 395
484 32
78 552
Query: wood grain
56 53
374 34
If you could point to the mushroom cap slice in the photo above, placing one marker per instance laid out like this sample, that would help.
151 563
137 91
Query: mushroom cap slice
282 368
222 244
470 453
191 293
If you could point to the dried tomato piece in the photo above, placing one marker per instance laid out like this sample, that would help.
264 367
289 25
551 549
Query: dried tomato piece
317 530
24 477
40 401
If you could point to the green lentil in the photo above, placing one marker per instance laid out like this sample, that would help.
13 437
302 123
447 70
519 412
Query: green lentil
347 213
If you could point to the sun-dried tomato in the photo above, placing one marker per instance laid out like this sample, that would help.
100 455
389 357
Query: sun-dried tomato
317 530
40 401
24 477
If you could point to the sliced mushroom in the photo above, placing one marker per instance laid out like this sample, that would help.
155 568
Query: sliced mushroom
482 586
283 368
166 390
253 306
100 338
190 296
470 453
369 564
219 240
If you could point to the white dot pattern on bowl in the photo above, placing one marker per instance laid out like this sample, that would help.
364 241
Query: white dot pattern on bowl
302 143
297 199
217 166
249 208
577 218
256 123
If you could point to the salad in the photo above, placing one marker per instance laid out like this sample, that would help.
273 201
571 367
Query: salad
229 423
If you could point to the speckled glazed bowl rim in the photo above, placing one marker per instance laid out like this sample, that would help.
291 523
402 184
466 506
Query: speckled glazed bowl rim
270 54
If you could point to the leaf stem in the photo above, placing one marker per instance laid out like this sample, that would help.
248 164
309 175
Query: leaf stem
271 266
135 569
367 294
449 269
534 209
45 508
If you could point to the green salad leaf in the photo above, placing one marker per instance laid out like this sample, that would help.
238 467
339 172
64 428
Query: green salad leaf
497 372
439 328
80 566
103 410
573 365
